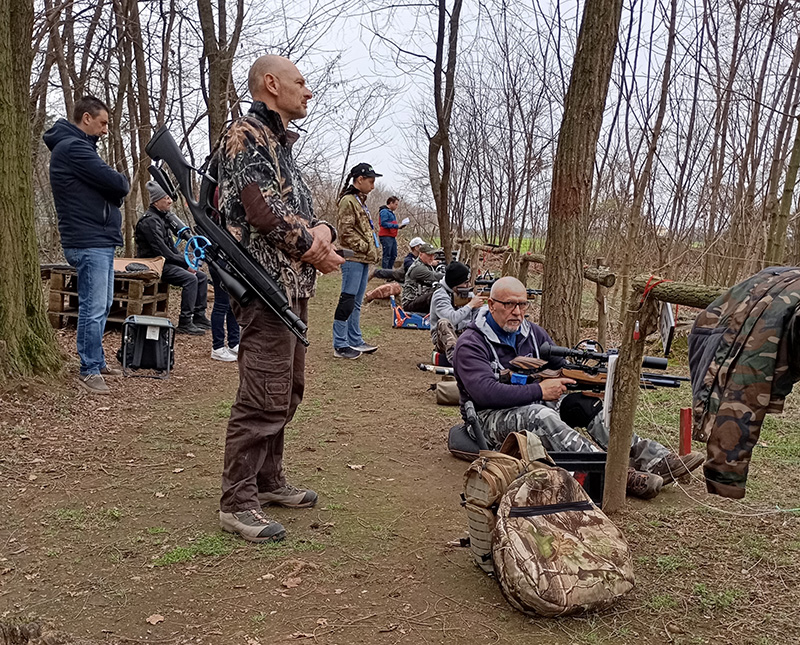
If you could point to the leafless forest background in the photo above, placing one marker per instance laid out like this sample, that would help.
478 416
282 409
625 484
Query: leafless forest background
694 172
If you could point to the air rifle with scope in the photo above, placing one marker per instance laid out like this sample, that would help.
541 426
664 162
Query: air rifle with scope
243 278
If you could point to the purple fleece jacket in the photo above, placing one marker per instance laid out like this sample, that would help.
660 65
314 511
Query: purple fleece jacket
473 364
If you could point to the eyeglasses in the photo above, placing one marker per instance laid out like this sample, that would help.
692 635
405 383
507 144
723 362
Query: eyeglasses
510 306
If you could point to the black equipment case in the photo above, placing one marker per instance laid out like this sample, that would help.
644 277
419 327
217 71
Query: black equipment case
148 342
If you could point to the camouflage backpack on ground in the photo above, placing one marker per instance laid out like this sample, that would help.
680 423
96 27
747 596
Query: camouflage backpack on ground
555 553
486 480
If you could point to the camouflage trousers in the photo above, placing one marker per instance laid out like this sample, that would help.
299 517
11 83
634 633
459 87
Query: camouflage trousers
545 422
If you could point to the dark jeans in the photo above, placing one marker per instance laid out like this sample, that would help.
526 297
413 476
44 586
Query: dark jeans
221 314
421 304
95 269
389 245
398 275
271 382
194 290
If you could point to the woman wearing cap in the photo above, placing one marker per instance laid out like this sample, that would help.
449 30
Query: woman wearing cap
357 233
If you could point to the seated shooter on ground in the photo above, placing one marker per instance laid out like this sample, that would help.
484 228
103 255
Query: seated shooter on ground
499 334
420 281
153 238
447 319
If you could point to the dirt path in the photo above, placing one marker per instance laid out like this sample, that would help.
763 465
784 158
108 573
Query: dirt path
110 508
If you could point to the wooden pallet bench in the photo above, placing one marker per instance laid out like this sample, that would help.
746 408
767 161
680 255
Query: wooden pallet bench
133 296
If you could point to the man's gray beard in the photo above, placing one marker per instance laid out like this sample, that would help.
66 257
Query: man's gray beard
510 329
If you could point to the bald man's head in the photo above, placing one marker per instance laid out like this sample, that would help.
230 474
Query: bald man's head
276 81
508 286
508 302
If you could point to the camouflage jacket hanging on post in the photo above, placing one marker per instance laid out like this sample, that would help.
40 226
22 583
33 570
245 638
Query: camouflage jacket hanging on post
265 200
743 359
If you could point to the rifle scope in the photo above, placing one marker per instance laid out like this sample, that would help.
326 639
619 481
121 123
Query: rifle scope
548 351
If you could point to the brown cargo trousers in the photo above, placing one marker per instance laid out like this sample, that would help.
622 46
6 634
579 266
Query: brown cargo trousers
271 382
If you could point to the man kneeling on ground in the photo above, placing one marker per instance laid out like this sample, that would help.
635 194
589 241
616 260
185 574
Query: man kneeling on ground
499 334
447 319
153 238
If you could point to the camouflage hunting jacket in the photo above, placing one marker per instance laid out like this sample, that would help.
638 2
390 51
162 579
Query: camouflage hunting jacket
743 355
265 200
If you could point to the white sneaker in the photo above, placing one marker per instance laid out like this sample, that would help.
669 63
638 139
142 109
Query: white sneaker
222 354
234 350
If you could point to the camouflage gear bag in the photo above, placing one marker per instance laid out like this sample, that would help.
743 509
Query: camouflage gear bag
486 480
555 553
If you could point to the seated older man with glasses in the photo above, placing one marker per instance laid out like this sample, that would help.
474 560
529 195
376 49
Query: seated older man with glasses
500 333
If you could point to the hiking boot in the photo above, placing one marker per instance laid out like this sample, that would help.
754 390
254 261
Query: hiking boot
223 354
345 352
366 348
202 322
190 329
95 383
290 497
110 371
252 525
673 466
643 485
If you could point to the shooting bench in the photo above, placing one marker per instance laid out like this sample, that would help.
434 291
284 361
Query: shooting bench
135 293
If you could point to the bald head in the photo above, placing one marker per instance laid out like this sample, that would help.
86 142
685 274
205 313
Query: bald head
508 288
278 83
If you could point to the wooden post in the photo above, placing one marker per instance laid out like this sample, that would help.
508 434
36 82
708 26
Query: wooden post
524 264
602 311
626 398
464 248
509 263
474 261
593 274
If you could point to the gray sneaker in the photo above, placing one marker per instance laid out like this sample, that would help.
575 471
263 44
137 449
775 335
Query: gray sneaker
252 525
110 371
366 348
95 383
345 352
290 497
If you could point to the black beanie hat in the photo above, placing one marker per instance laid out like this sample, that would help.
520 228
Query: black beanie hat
455 274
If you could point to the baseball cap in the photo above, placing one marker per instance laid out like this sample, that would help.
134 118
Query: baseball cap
427 248
364 170
417 241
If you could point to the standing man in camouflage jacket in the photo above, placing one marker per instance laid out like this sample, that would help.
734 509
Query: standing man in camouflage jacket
268 208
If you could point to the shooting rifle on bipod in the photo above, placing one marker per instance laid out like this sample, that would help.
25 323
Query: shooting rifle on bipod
243 278
484 286
587 367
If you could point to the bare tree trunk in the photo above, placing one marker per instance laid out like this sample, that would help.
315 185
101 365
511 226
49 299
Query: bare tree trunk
27 342
573 169
443 98
778 225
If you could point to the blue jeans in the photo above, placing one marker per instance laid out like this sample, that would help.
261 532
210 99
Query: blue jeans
347 319
220 314
95 269
389 245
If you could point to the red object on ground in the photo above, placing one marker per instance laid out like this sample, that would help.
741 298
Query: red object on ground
686 432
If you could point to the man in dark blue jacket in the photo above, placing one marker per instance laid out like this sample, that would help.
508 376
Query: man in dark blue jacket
87 195
498 335
153 238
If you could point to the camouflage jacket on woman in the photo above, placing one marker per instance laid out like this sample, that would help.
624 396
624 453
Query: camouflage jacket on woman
265 200
743 355
357 230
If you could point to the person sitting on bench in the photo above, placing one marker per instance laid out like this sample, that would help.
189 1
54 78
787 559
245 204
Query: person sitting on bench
421 279
447 319
500 333
153 239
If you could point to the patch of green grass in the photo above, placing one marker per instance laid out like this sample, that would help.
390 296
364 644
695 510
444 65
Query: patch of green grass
333 506
209 545
450 411
672 562
223 409
661 601
75 517
81 518
156 530
259 618
716 600
112 514
370 331
308 410
201 493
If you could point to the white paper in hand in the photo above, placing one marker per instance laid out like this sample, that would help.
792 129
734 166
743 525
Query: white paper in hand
404 221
